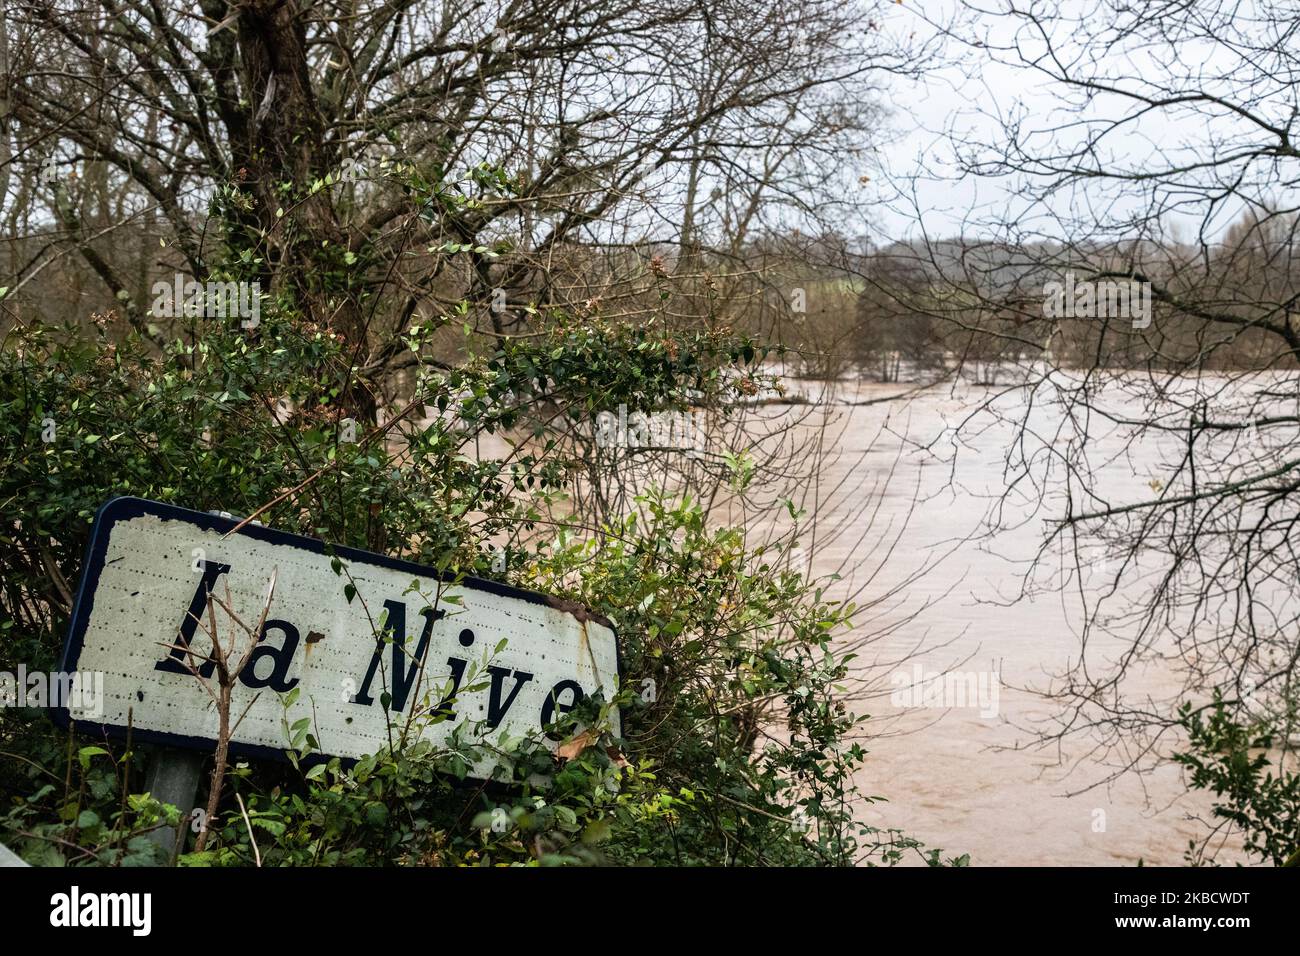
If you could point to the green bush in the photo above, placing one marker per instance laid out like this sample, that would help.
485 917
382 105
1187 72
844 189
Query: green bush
738 753
1234 761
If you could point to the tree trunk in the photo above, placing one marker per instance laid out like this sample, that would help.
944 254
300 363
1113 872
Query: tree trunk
286 145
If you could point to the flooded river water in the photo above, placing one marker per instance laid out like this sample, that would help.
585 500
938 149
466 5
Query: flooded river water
970 778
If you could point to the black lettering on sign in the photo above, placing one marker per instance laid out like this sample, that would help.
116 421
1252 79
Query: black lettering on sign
175 662
497 710
447 706
404 673
179 657
553 704
281 656
403 676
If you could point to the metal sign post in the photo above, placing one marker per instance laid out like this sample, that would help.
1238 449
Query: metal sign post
173 777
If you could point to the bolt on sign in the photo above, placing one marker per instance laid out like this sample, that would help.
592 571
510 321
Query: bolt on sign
364 639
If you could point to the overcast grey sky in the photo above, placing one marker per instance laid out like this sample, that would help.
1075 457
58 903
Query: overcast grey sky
920 183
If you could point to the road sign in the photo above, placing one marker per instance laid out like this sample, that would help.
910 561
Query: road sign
150 567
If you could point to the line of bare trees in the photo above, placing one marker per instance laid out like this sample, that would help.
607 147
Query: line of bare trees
378 162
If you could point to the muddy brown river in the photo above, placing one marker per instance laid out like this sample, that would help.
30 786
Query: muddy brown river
964 770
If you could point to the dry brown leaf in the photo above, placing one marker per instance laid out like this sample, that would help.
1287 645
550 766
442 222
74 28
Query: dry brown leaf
572 748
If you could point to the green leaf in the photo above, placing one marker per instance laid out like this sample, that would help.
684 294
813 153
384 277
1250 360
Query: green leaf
86 753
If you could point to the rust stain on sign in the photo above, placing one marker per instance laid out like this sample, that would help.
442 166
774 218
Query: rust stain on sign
582 614
578 610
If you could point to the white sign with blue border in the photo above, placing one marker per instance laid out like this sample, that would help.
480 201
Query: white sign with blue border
365 640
